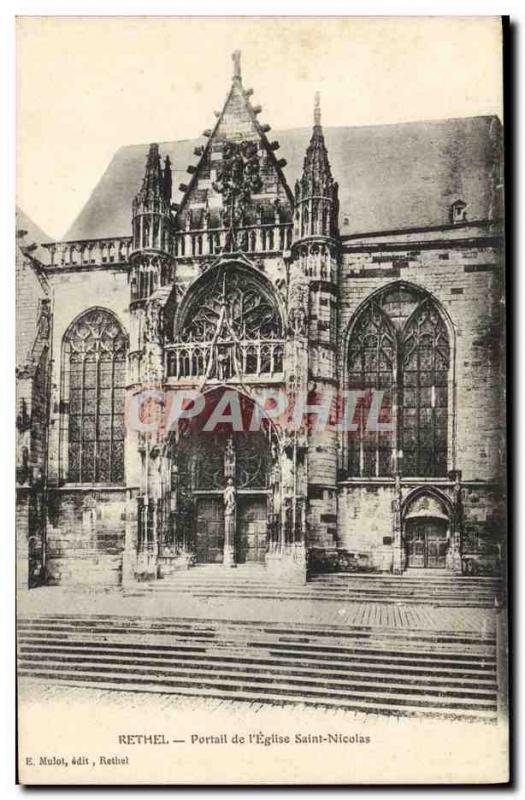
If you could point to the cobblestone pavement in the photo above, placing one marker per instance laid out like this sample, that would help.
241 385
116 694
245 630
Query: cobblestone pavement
54 600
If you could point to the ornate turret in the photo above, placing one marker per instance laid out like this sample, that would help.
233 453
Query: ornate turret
312 311
152 205
152 228
316 203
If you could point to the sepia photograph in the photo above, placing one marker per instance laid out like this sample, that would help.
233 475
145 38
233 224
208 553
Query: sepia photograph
261 433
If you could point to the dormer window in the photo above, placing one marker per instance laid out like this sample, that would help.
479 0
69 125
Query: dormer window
458 212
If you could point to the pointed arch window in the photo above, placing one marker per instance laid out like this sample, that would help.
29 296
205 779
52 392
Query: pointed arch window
249 306
425 363
234 323
399 345
371 363
94 365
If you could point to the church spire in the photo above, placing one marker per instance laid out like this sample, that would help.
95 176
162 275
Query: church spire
155 181
316 164
317 109
316 201
236 58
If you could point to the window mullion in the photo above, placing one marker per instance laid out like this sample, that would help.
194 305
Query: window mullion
81 426
112 416
433 406
93 446
418 410
361 425
96 467
377 469
397 381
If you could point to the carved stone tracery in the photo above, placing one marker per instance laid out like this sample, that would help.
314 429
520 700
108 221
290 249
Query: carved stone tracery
238 178
232 327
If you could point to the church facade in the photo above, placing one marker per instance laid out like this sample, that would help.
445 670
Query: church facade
370 273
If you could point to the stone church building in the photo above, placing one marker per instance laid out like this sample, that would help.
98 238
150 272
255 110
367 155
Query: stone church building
316 263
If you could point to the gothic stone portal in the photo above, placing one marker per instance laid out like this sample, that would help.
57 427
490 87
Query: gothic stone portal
223 504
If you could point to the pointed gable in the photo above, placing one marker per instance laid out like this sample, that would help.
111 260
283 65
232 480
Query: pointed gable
268 196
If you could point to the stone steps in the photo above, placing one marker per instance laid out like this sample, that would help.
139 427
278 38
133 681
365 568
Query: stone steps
359 669
374 670
197 629
249 581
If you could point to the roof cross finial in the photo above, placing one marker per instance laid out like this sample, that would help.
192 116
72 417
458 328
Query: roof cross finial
236 58
317 108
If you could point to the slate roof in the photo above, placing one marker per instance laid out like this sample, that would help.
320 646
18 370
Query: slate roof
395 176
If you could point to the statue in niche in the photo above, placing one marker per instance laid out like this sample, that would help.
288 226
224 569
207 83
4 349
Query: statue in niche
44 320
153 322
230 507
298 314
230 500
396 508
222 364
275 476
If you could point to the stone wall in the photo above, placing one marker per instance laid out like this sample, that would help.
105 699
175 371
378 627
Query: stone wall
462 268
31 290
465 277
365 522
85 537
321 518
33 318
485 518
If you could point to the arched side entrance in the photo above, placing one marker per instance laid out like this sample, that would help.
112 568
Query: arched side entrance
426 533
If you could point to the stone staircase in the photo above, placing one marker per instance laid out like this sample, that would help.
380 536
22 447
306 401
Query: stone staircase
254 582
368 669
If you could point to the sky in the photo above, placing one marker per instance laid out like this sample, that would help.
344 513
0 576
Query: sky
88 85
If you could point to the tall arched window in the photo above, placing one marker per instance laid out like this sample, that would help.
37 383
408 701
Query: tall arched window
399 345
426 358
94 367
371 366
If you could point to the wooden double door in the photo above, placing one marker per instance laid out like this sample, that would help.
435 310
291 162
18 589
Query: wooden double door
250 533
426 543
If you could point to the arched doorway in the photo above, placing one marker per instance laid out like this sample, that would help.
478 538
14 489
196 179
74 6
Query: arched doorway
224 487
214 461
426 534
